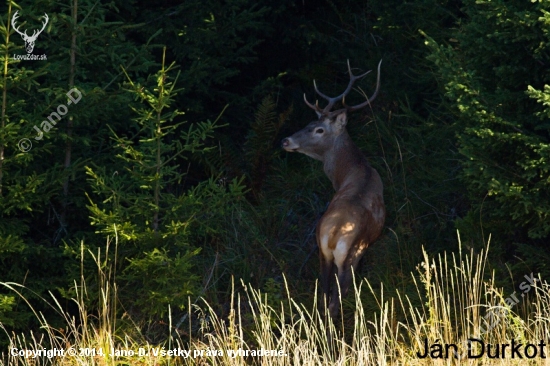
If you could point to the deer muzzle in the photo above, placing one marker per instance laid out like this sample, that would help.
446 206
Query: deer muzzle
289 145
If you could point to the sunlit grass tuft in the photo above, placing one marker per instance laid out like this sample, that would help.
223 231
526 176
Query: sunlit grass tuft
458 301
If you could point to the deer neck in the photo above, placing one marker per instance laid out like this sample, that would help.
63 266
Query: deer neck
343 160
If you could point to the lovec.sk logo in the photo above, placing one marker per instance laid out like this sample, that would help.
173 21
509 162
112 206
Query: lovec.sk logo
29 40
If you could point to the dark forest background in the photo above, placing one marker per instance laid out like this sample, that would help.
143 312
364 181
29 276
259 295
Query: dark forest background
172 156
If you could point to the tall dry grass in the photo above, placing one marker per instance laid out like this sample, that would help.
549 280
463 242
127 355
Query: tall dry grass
458 300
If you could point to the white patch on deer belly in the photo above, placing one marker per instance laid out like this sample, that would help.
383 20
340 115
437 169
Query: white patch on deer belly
327 253
340 252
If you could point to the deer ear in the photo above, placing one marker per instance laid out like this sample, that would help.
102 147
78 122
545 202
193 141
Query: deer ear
340 120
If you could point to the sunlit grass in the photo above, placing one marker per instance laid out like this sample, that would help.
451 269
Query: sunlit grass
458 300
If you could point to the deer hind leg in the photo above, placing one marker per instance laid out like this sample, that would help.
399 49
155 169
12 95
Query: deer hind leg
340 254
328 271
326 259
344 261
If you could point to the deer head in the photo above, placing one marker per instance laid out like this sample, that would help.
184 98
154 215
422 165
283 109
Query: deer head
29 40
320 136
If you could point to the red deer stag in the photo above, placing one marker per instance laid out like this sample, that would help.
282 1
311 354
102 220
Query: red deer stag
355 216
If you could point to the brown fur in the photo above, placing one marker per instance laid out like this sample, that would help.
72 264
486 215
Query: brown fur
355 216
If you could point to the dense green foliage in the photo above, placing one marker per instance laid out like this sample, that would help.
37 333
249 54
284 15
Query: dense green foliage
494 75
173 151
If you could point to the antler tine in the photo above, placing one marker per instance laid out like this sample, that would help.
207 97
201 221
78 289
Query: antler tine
315 107
36 32
45 23
368 101
13 19
330 100
356 77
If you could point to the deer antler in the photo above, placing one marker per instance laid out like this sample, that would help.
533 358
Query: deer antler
15 16
341 97
43 26
35 33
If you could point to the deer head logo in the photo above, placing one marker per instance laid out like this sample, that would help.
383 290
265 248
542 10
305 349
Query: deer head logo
29 40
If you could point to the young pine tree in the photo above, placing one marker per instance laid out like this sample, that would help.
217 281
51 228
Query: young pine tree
143 202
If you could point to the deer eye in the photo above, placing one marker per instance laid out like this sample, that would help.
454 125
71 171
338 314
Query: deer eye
319 130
